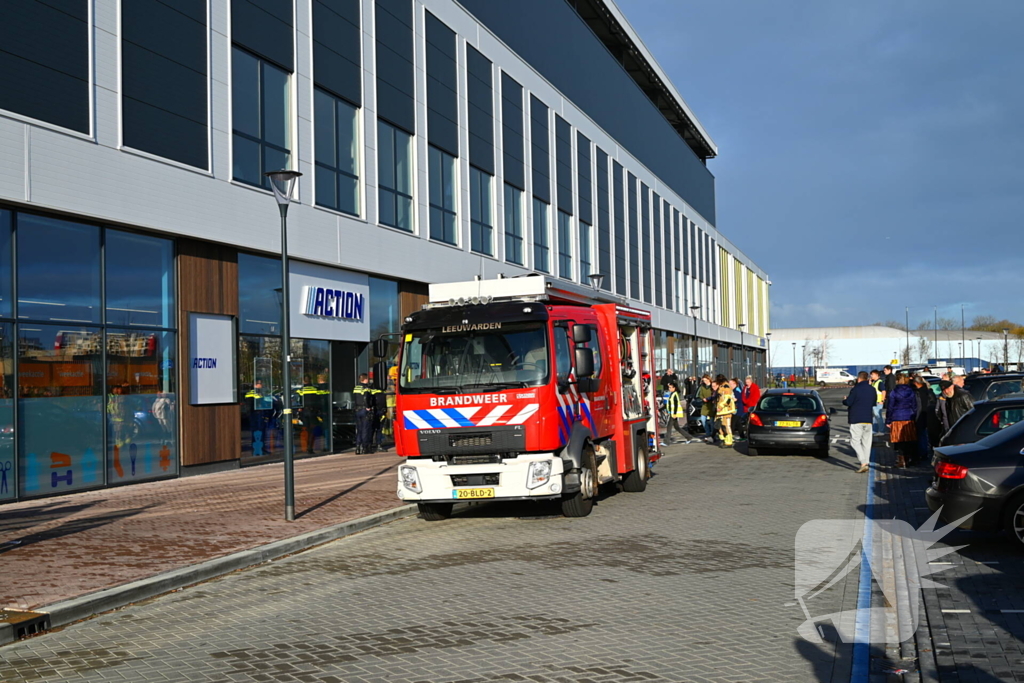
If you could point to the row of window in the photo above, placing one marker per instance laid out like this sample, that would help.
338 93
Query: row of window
554 232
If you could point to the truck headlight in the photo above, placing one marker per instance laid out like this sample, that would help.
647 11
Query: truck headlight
410 479
538 474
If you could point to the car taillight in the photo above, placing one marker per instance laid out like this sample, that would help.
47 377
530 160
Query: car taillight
820 421
755 420
950 470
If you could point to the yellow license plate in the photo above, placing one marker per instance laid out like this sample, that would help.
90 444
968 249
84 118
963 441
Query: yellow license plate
789 423
468 494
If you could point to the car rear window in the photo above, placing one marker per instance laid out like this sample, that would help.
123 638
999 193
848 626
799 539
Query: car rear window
976 388
790 403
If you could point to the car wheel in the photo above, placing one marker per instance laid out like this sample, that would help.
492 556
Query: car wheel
435 512
636 481
821 384
753 452
1015 519
821 452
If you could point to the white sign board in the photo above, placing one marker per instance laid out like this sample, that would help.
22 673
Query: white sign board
211 346
328 303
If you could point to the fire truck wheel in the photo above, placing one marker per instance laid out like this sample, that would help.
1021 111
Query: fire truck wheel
579 504
435 512
636 481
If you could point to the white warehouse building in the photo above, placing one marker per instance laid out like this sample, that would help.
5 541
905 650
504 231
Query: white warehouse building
799 350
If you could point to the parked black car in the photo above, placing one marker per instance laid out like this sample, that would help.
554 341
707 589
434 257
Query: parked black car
985 478
987 417
790 420
988 387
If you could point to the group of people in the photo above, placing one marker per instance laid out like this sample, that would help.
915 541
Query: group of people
905 408
724 405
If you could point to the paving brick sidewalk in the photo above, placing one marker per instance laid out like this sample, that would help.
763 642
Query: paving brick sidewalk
60 548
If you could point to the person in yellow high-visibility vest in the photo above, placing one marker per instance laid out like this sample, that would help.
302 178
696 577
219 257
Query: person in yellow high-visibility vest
725 410
676 412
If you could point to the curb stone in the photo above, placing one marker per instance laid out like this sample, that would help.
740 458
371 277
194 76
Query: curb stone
93 604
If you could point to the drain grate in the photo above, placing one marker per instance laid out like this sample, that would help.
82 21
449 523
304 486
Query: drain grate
24 622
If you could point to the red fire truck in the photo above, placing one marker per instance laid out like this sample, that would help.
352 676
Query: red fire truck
527 388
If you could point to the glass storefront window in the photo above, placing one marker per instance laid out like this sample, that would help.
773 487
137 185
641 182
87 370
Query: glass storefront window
6 279
8 484
140 280
142 406
60 402
260 386
259 369
259 294
58 270
311 395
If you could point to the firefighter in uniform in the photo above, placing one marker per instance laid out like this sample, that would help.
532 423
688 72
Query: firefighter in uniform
364 405
311 412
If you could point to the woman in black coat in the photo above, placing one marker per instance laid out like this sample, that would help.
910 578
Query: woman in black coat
929 430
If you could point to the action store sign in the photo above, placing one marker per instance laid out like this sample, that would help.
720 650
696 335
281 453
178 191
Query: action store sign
328 303
211 359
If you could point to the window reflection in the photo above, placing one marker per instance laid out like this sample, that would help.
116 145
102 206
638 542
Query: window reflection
6 278
142 406
58 270
60 421
8 484
259 294
140 280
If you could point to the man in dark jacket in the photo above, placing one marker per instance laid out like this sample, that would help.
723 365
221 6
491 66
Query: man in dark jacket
888 382
958 403
860 403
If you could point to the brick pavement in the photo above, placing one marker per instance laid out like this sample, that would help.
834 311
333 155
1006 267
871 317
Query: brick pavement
688 581
59 548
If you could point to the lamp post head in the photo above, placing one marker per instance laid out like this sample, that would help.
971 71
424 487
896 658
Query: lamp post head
596 279
768 334
1006 332
282 183
741 326
694 309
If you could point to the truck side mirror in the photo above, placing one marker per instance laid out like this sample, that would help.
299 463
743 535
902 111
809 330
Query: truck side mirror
380 375
584 363
380 348
581 334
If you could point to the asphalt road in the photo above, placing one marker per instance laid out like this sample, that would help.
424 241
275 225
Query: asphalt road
692 580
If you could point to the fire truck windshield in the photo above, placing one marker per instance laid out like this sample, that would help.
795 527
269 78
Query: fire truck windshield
475 360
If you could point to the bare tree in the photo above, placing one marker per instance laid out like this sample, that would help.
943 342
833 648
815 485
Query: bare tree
891 323
905 355
924 349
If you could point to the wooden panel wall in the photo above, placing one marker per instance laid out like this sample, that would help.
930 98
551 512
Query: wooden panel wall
207 283
411 297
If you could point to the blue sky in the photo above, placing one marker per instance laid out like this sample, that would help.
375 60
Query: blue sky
871 152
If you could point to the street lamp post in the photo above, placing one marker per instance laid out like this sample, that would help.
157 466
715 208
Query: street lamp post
282 182
794 361
693 313
743 351
1006 349
979 351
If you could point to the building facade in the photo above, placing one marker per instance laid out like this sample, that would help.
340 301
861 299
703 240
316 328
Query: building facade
438 140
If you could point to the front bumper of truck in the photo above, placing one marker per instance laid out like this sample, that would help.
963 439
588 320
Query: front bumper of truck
528 477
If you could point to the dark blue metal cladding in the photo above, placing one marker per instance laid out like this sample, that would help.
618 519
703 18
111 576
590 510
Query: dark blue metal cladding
163 82
539 150
44 61
584 186
604 228
713 261
395 84
480 94
264 27
336 45
442 87
551 36
634 238
658 252
512 132
563 161
620 229
645 240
